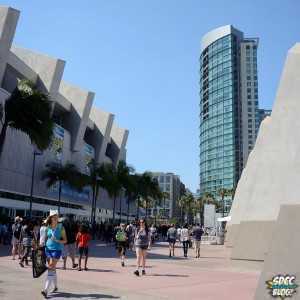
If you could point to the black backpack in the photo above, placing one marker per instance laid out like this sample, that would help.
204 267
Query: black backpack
17 231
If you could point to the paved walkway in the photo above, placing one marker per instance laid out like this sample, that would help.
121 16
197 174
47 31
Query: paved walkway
211 277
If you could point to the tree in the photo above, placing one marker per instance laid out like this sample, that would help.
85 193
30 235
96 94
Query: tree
186 203
97 177
27 110
200 202
58 173
117 178
225 193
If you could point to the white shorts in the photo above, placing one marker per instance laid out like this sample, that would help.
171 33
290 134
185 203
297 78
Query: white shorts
15 242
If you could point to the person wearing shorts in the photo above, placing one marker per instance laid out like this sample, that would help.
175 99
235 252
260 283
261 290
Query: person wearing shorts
82 239
55 239
171 235
121 243
70 247
197 233
141 241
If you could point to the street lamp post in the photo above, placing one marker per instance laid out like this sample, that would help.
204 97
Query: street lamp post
35 153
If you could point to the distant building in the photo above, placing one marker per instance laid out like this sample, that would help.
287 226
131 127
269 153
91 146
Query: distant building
170 184
262 113
228 107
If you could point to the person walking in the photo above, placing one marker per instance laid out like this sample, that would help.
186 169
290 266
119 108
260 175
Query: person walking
55 239
184 238
27 238
16 233
171 236
130 229
82 240
197 233
121 243
141 242
70 246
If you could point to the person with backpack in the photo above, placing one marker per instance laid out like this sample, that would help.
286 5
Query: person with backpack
55 239
141 241
16 233
82 240
121 243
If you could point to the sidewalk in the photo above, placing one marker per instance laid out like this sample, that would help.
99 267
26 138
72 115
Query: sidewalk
210 278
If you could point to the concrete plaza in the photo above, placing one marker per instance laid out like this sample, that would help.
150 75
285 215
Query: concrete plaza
211 277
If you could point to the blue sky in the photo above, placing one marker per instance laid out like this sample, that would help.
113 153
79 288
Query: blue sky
141 59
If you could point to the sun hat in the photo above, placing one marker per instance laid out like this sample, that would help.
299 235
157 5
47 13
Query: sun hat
53 212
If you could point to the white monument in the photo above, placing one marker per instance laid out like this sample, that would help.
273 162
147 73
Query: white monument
272 175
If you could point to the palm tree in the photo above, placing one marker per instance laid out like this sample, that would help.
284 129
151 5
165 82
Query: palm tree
58 173
96 178
131 190
225 193
186 202
27 110
117 178
207 198
124 173
181 204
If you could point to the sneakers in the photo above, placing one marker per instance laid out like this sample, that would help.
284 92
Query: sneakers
85 269
143 272
44 293
75 266
55 290
79 269
137 273
21 264
122 264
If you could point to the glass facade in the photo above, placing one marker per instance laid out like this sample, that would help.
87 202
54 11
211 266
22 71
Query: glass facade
220 159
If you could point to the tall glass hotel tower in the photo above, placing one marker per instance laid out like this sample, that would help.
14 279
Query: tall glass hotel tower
229 117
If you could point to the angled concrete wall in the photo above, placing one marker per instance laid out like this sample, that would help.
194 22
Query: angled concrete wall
8 23
246 185
274 166
119 138
77 119
283 252
48 69
103 122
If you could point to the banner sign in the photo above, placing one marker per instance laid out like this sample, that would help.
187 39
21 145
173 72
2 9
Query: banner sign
89 155
57 143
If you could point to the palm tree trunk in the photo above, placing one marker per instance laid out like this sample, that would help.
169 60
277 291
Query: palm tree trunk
120 209
223 206
59 196
138 209
114 210
92 208
2 136
127 210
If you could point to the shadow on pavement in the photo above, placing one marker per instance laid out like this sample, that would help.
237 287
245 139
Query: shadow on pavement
168 275
65 295
101 271
109 251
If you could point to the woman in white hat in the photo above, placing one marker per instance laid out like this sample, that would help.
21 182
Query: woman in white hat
55 239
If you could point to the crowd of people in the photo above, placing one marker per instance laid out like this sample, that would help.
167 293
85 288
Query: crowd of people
65 237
